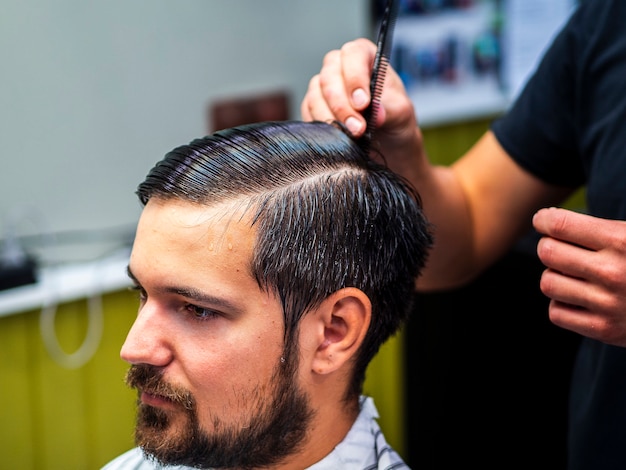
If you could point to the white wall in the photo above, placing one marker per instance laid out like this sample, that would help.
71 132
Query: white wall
93 93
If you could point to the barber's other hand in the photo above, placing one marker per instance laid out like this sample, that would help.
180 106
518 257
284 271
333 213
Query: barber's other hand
585 277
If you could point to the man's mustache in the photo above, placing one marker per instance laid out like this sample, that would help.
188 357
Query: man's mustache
149 379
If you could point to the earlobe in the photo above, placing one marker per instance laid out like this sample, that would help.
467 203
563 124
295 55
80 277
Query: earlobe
346 318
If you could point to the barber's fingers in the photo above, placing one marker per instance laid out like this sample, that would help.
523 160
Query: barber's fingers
593 233
573 275
582 246
314 107
586 261
603 324
356 63
340 91
586 293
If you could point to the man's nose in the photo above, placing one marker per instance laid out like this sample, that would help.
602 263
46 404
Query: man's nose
149 339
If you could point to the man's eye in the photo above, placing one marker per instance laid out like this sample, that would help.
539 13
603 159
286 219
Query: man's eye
201 313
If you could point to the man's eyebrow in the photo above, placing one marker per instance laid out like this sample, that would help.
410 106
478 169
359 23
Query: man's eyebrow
192 294
202 297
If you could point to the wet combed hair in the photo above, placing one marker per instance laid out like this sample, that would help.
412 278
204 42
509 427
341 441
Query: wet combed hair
327 217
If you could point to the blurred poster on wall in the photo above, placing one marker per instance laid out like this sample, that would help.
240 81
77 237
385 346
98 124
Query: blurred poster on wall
464 59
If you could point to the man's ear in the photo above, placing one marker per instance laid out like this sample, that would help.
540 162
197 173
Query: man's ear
343 320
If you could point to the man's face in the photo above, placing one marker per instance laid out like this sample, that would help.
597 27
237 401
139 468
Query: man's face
206 348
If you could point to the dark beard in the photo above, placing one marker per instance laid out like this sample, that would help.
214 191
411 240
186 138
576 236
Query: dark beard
276 429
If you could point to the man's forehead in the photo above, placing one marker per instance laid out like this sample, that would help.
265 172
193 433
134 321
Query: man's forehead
189 246
182 214
181 232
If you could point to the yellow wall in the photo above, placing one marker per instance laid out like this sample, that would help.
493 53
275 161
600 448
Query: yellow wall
58 418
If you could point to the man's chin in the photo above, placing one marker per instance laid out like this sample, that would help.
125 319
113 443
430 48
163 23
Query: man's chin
158 430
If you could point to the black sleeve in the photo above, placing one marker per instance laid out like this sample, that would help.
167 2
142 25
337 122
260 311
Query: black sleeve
540 130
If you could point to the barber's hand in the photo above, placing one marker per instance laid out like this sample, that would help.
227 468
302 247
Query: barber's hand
586 275
341 92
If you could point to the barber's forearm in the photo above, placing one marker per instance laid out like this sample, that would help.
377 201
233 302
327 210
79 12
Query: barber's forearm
451 261
443 200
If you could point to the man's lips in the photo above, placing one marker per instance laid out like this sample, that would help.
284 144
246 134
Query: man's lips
158 401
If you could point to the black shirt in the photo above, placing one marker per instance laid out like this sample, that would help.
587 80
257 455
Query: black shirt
568 127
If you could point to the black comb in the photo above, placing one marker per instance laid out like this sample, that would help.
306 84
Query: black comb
379 70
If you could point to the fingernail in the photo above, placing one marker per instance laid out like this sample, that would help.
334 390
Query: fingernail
353 125
359 98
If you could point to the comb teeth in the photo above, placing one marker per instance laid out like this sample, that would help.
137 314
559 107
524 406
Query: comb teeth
379 70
